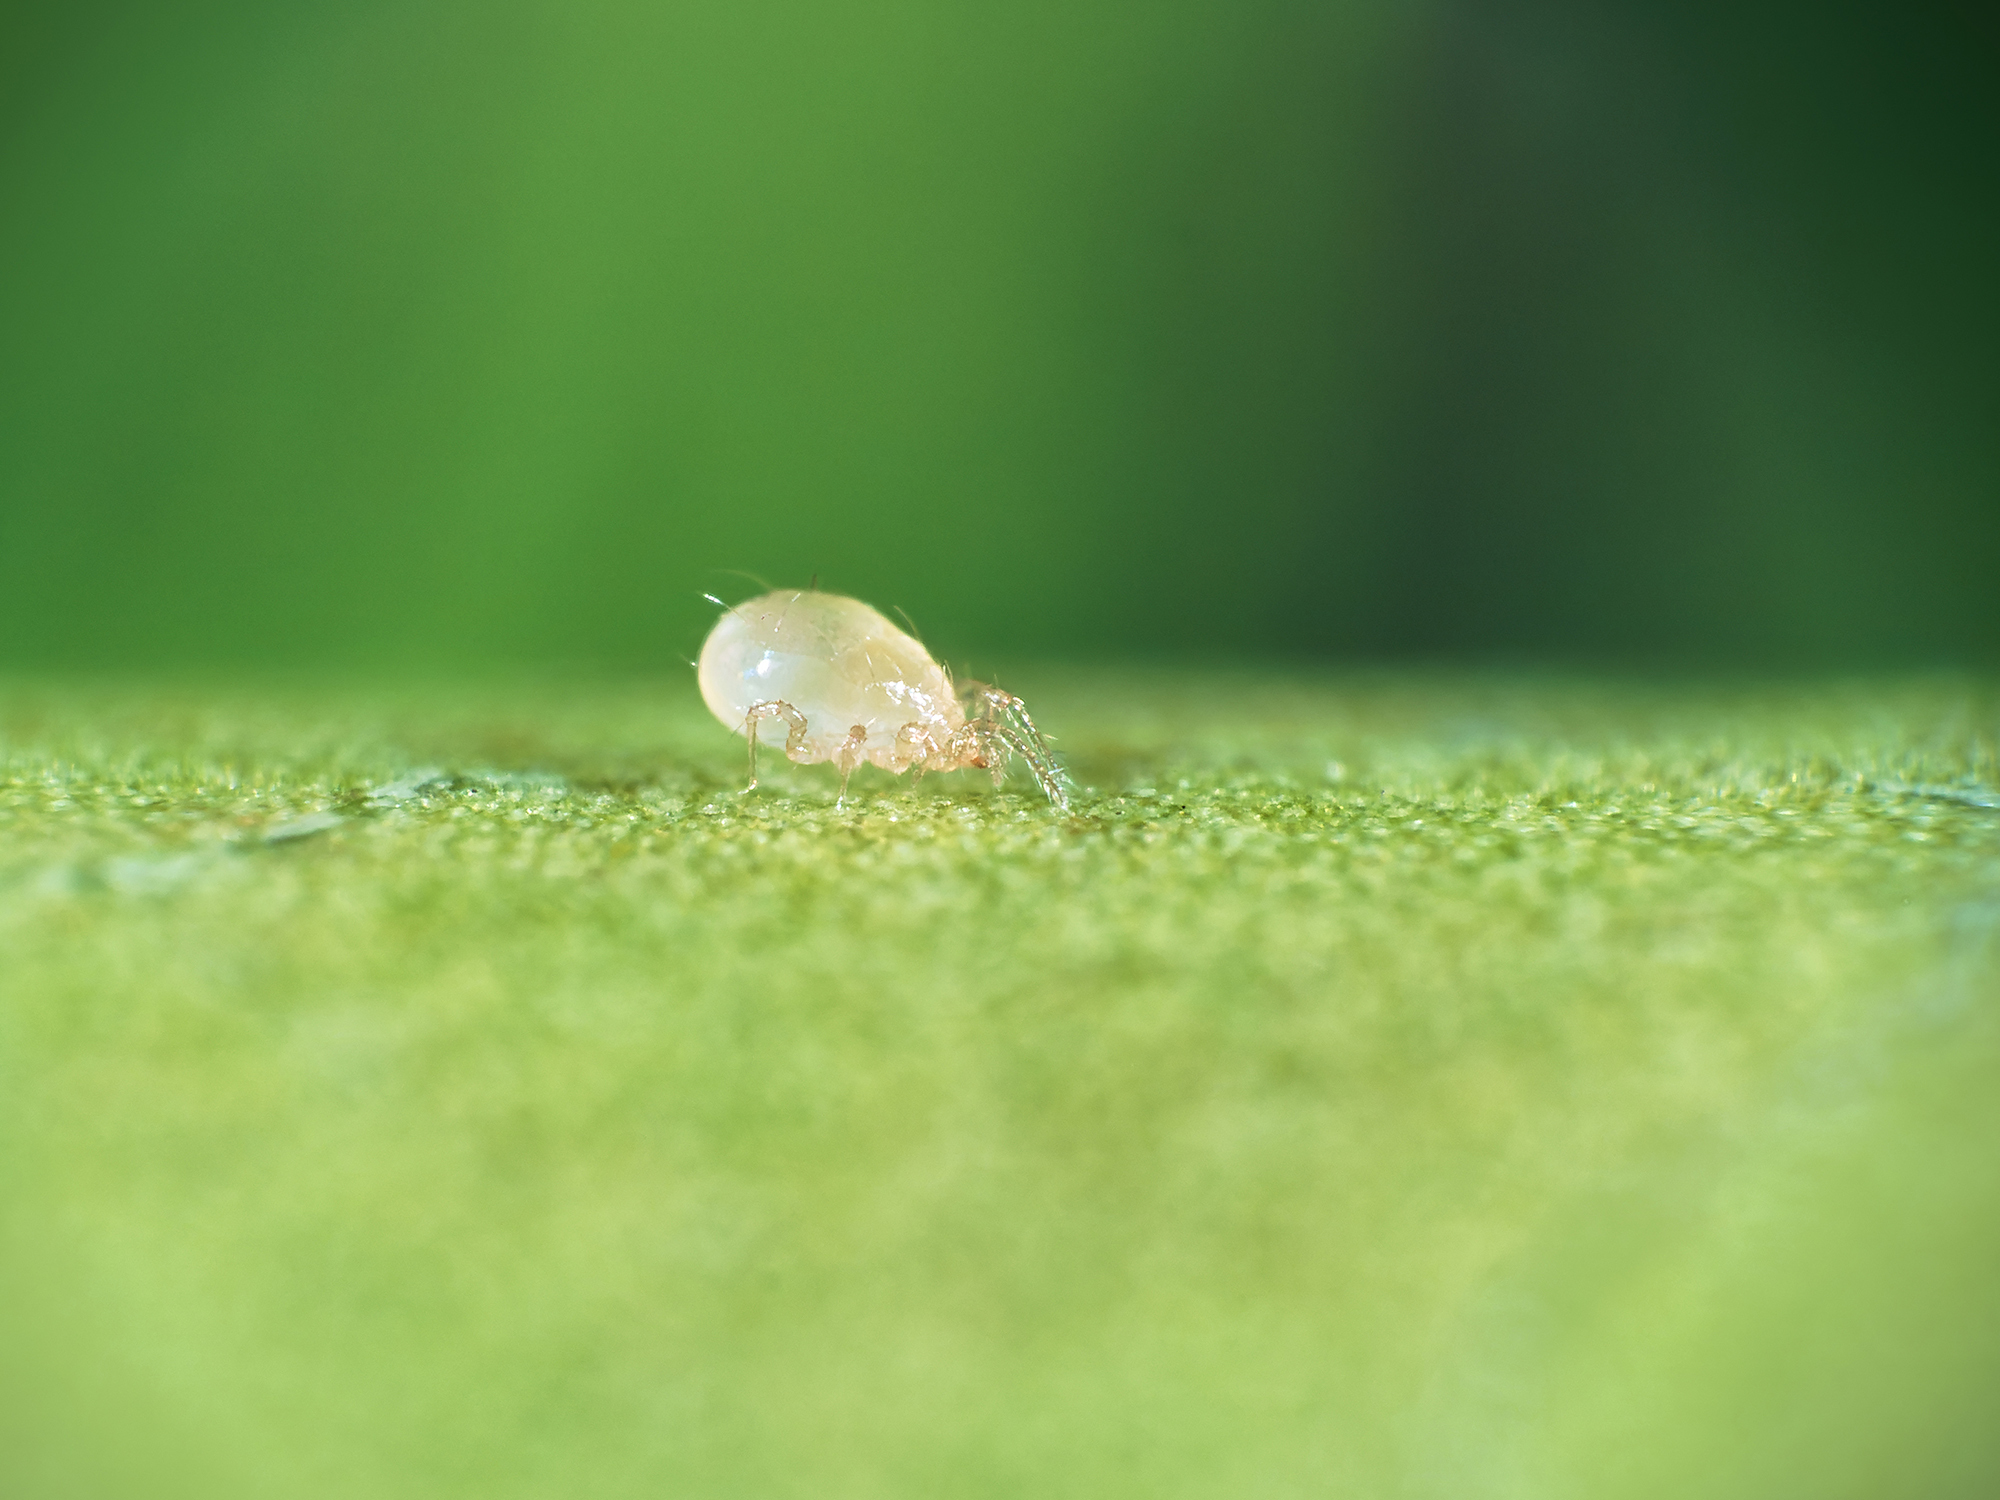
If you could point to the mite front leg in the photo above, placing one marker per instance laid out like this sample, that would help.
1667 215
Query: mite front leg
975 745
795 736
993 751
1003 720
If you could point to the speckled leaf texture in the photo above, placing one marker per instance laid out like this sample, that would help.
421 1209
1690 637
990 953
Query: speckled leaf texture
1378 1086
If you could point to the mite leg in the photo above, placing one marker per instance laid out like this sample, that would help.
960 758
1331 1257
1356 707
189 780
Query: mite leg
1003 719
1035 753
993 751
849 756
975 745
914 747
795 726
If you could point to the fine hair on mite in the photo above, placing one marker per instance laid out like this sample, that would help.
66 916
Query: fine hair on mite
846 685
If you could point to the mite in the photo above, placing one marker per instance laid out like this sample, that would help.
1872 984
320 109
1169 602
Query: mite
850 687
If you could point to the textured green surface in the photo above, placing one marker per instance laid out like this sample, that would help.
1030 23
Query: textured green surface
1377 1087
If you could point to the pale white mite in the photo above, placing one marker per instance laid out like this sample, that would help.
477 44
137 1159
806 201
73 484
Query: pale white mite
850 687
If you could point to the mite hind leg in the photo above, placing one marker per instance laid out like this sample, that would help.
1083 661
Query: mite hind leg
849 756
795 731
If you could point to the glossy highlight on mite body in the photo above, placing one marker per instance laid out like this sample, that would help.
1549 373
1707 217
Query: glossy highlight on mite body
850 687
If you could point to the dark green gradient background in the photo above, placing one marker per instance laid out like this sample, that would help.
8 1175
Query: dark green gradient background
444 336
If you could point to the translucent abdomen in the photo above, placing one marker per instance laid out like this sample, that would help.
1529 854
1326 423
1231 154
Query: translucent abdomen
833 659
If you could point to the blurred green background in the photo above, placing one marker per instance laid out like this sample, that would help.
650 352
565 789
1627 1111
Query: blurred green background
439 335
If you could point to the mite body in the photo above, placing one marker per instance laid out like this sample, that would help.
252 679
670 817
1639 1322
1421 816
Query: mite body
845 685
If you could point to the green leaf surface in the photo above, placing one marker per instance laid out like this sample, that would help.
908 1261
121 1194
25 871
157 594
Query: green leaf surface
1389 1085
